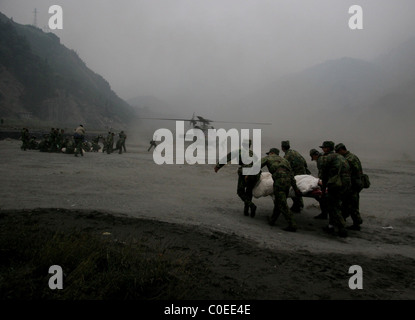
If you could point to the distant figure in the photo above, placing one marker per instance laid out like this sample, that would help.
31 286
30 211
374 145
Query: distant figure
79 137
152 144
109 145
123 136
121 142
298 166
24 136
95 144
350 207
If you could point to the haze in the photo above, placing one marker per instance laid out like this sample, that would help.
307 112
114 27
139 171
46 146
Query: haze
211 57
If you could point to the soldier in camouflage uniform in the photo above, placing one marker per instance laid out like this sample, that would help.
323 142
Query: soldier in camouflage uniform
350 206
318 158
283 177
120 142
24 136
298 166
79 137
246 183
44 143
123 136
334 165
95 144
109 142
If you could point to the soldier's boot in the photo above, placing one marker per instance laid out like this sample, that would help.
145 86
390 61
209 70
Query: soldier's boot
274 217
297 205
246 209
357 221
290 228
355 227
253 209
342 232
328 229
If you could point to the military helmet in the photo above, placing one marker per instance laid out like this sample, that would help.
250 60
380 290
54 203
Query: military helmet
314 152
340 146
285 144
328 144
274 150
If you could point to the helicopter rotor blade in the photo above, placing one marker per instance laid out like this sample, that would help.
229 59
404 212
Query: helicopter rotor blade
207 121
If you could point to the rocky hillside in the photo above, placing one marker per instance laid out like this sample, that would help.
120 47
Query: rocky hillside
42 80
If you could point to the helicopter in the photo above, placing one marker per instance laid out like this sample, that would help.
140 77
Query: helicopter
199 122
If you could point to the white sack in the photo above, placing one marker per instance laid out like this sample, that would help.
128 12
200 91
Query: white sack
264 187
306 183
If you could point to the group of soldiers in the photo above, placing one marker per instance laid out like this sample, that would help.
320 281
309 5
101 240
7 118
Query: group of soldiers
57 141
340 173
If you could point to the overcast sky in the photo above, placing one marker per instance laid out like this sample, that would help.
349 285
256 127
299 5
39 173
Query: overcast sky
209 51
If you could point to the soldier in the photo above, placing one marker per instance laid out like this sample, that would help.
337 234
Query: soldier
283 177
79 136
69 145
350 206
53 140
60 139
245 183
317 157
109 142
95 144
298 166
44 143
33 144
336 182
24 136
123 136
120 142
152 144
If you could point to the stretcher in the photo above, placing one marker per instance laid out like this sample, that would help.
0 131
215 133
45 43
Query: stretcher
308 185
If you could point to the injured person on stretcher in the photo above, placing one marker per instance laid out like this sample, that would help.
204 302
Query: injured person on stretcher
307 184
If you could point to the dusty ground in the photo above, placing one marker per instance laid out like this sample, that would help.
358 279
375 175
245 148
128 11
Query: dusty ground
192 210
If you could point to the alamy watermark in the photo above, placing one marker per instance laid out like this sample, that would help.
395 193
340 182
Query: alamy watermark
214 142
355 21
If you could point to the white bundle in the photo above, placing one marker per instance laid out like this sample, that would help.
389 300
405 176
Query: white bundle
306 183
264 187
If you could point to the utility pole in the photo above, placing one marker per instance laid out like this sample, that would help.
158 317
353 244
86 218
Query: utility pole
35 18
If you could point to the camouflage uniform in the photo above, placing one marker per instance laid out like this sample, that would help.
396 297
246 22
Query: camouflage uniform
44 143
123 136
121 142
95 144
25 139
350 207
320 199
53 140
69 145
245 184
283 177
332 165
79 137
109 142
298 166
